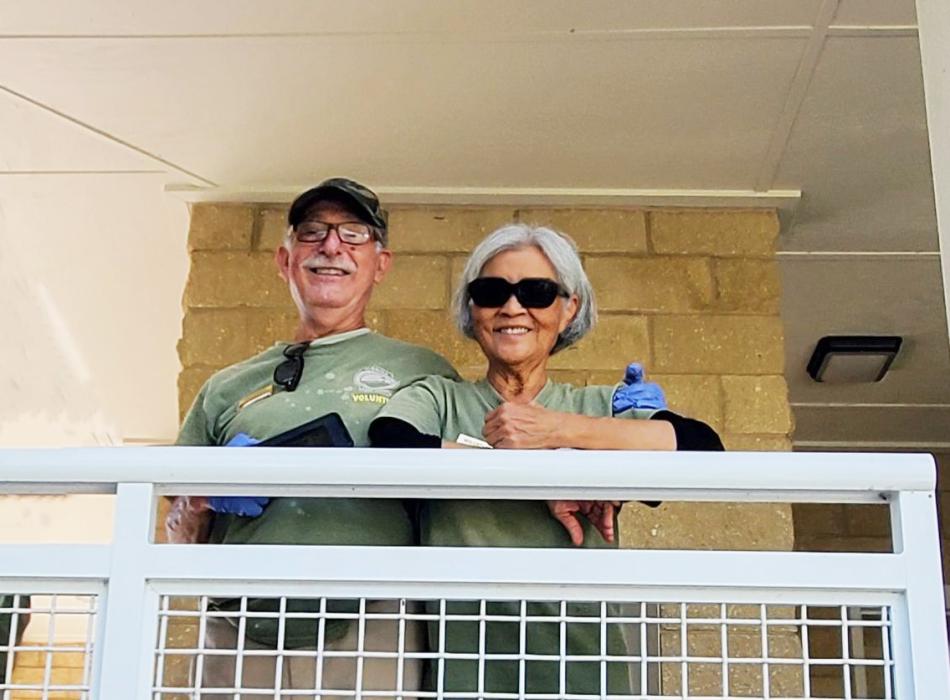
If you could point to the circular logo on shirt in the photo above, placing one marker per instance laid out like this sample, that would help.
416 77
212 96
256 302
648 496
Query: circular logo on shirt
375 379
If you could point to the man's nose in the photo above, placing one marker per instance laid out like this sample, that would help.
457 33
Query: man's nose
332 244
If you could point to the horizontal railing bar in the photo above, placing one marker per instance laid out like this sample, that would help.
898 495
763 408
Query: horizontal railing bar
50 585
72 562
615 618
553 567
515 656
739 476
526 493
625 593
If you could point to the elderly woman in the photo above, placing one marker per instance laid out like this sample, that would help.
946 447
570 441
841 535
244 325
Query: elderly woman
523 297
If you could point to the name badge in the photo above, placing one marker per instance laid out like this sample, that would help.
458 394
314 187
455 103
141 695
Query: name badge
255 396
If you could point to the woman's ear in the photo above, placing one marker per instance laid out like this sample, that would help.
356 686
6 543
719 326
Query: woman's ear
568 311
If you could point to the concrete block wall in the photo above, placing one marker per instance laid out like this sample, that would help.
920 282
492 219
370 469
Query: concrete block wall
691 294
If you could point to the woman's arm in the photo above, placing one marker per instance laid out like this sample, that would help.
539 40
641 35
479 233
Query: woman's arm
529 426
586 433
691 434
393 432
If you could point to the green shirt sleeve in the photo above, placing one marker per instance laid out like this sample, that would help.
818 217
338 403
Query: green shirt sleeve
195 429
420 404
445 369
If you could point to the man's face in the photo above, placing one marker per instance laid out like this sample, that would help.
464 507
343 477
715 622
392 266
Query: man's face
331 274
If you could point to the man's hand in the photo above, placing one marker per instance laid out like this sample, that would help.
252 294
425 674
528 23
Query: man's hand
599 513
247 506
524 427
188 520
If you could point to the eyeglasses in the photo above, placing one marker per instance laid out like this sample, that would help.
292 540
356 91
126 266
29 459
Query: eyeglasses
531 292
288 373
352 232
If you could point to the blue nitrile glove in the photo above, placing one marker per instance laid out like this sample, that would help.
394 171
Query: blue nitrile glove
636 393
242 440
248 506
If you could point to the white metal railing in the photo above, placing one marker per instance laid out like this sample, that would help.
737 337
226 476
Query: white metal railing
883 612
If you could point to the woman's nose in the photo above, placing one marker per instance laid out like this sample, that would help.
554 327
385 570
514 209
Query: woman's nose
512 307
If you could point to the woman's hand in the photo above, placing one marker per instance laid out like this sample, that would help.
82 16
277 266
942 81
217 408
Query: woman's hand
529 426
188 520
599 513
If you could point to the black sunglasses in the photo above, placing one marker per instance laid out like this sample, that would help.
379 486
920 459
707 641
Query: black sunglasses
288 373
531 292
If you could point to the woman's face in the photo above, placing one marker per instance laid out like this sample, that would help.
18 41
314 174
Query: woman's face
512 334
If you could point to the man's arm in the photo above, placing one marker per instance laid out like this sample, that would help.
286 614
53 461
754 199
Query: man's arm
189 519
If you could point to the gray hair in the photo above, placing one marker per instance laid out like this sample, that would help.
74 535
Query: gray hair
560 251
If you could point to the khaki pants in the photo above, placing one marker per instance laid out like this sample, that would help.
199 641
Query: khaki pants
299 673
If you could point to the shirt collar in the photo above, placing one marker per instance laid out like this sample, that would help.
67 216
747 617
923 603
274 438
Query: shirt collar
338 337
494 399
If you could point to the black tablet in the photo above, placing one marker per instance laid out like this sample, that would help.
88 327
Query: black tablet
325 431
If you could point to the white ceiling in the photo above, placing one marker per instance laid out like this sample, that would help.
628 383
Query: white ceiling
859 151
664 97
467 17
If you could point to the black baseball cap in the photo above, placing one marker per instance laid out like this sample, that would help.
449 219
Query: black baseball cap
360 198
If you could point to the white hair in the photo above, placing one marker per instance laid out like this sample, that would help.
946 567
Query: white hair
560 251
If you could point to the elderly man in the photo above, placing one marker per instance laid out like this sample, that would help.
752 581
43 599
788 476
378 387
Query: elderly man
334 253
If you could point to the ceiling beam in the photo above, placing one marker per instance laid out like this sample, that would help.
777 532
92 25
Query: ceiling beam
796 95
106 135
536 196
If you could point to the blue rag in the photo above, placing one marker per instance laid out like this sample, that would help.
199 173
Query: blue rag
636 393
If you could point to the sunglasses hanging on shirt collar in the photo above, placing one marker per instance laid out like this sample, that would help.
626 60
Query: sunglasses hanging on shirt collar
288 373
531 292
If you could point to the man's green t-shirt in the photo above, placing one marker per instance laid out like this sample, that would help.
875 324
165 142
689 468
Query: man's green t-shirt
352 374
449 410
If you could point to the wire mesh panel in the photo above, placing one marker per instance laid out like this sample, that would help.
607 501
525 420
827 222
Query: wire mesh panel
54 658
494 648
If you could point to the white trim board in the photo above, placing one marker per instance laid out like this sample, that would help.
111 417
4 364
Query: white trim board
527 196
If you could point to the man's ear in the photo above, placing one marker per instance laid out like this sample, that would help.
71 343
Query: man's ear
568 312
282 258
384 261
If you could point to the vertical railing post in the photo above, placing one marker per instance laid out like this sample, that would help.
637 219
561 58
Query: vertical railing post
922 670
127 633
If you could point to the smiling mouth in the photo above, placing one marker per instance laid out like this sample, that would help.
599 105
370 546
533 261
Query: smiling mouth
513 330
328 271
